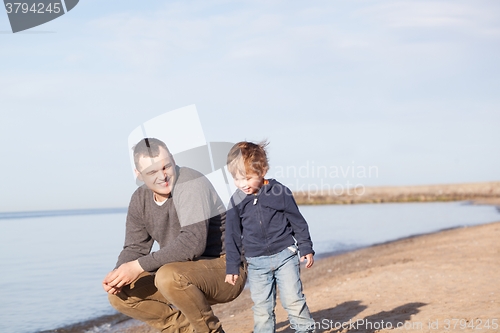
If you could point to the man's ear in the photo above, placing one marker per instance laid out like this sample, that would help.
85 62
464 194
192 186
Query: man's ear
138 175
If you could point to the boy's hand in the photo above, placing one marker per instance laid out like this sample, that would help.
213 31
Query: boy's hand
309 258
231 278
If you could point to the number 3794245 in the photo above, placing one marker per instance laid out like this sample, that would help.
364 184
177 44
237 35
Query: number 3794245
476 324
35 8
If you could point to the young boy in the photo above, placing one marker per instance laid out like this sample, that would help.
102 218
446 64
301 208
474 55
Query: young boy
264 222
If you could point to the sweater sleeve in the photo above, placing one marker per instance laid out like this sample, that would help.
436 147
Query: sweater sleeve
233 239
298 223
192 201
138 242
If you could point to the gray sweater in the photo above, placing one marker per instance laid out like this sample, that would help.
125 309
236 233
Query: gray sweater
189 225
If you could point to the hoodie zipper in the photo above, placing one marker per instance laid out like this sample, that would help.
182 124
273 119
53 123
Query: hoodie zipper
255 200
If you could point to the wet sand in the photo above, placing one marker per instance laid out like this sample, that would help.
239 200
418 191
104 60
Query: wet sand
446 281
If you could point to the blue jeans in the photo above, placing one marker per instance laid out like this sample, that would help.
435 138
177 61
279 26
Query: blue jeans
282 269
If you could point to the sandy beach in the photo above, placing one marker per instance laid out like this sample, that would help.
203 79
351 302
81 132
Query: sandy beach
446 281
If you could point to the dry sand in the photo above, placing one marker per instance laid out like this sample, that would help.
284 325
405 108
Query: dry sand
447 281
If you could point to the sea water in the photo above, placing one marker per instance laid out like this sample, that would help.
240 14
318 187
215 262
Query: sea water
341 228
52 266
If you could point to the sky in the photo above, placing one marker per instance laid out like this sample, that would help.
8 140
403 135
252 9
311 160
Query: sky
347 93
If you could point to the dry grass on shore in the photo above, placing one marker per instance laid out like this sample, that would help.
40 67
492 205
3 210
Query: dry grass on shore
480 193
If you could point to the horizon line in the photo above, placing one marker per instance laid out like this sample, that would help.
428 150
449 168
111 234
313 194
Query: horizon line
61 212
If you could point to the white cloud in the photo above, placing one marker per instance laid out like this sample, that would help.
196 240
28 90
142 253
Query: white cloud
434 14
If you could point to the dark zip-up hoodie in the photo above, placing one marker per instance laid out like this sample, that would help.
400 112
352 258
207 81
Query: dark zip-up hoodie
264 224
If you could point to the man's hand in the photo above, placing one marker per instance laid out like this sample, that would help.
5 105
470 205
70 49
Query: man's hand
309 258
122 276
231 278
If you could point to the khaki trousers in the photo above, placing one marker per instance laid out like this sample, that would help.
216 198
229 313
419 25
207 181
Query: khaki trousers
178 298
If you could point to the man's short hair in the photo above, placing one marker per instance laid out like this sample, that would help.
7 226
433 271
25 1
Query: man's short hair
148 147
248 158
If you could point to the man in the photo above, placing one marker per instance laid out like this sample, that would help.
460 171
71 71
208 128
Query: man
173 288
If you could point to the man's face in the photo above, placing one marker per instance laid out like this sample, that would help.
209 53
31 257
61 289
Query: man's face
158 173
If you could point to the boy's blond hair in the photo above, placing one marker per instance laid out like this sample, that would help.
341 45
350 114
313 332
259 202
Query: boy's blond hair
248 158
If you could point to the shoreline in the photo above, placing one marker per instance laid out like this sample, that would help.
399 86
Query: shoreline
485 193
451 274
418 279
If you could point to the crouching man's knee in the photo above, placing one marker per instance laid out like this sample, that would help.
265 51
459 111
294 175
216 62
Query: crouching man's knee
132 295
118 303
168 280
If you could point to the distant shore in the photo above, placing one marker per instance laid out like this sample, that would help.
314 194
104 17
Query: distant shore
445 281
479 193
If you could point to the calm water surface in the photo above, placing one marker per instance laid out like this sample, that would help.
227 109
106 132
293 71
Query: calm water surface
52 266
346 227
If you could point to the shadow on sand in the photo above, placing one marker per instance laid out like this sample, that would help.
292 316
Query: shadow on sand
342 318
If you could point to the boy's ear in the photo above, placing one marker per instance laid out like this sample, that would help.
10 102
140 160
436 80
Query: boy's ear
138 175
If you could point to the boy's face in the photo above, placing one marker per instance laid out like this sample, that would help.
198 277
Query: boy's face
249 183
158 173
